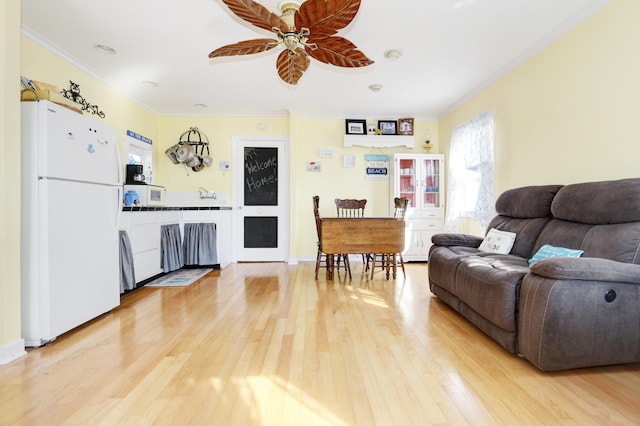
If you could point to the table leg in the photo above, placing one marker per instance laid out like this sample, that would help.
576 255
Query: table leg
329 266
394 265
387 261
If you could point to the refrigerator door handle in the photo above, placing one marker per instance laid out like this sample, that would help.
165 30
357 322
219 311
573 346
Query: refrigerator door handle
119 167
120 197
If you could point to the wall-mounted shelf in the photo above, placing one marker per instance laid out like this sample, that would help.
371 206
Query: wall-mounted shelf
379 141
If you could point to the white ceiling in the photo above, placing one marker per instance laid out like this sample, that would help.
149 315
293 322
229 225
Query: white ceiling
451 48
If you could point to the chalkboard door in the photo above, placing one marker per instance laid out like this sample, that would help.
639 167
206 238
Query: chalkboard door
261 189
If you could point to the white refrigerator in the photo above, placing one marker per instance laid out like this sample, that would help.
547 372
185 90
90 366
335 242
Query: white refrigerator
71 203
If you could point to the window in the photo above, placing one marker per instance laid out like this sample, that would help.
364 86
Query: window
140 153
470 187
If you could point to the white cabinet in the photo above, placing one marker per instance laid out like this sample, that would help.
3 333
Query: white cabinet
420 178
143 229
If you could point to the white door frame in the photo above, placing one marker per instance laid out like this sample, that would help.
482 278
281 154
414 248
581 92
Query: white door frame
239 211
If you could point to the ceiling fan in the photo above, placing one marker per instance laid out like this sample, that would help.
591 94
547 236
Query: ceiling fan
306 29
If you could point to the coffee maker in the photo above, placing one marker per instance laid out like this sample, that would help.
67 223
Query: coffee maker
135 174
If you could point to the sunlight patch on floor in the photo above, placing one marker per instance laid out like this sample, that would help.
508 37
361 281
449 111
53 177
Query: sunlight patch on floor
258 392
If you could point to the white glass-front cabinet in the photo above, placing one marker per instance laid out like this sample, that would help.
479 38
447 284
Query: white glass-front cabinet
420 178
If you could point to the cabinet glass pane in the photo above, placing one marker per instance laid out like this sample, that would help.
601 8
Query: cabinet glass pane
407 179
431 184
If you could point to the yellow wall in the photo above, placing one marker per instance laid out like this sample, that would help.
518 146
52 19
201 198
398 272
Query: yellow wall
334 180
10 335
219 131
121 112
569 114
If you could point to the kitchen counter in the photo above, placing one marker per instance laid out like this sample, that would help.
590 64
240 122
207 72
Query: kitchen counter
143 226
169 208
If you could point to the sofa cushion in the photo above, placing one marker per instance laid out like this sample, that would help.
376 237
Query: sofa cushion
616 201
444 262
547 251
489 285
527 202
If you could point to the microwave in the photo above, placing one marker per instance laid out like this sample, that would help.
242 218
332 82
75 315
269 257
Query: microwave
144 195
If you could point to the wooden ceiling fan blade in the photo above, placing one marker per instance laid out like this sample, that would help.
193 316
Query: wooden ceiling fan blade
247 47
292 66
255 14
324 18
340 52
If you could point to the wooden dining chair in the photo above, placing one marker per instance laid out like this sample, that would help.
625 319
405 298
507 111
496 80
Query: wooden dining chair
349 207
321 256
381 259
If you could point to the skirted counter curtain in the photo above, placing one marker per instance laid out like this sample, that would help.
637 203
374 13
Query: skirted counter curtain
197 248
171 255
200 244
127 272
470 181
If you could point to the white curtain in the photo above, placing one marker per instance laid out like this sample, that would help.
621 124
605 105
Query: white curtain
470 180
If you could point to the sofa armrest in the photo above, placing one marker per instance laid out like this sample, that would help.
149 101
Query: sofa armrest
465 240
587 268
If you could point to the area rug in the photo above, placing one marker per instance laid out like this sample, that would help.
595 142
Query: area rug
179 278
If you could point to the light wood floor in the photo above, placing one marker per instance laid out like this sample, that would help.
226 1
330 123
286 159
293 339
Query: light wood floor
266 344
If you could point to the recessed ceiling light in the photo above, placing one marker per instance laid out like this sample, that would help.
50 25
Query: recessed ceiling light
149 83
393 54
375 88
199 105
105 49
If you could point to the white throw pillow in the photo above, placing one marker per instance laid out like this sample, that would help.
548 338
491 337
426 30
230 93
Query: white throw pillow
498 241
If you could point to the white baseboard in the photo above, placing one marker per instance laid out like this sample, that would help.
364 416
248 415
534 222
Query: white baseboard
12 351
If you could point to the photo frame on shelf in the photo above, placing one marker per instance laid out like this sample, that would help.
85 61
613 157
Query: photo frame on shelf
355 127
405 126
388 127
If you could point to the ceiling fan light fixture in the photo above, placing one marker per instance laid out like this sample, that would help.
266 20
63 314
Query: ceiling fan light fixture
393 54
305 29
289 6
375 88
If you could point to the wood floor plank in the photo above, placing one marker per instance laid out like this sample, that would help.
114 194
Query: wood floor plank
267 344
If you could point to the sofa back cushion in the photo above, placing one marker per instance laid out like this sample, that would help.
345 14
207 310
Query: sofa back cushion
527 202
599 203
525 211
601 218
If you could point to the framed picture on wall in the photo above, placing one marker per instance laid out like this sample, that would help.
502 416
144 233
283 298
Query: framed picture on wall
405 126
356 127
387 127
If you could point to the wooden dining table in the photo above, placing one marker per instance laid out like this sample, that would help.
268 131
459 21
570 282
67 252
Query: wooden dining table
364 235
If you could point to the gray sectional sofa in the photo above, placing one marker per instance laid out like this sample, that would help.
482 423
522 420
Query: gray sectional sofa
561 312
